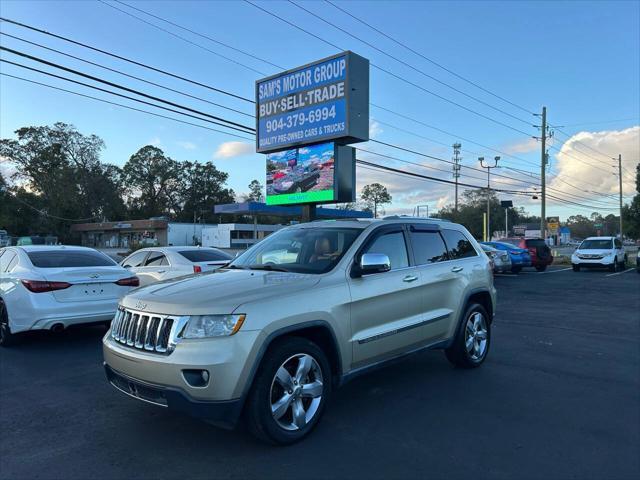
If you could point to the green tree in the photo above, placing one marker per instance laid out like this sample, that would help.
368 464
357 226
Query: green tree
631 212
153 182
255 192
62 168
375 195
203 187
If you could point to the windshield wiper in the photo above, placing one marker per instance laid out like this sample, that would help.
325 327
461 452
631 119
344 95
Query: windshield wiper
272 268
229 266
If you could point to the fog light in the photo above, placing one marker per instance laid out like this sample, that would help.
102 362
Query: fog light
196 378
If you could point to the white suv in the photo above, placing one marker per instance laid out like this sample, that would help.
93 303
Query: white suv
309 307
599 252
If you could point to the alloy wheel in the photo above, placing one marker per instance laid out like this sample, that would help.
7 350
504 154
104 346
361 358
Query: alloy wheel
475 339
296 392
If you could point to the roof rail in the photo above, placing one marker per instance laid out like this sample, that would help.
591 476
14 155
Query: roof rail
410 217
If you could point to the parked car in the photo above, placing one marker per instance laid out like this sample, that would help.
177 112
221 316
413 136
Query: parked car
272 339
539 251
500 259
638 262
599 252
52 287
519 257
4 238
296 182
162 263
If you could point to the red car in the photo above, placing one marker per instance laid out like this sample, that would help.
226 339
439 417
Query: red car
538 250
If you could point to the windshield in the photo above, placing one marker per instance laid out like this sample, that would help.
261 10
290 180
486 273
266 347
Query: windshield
596 245
302 250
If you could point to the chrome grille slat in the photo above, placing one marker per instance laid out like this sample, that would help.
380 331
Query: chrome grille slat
143 331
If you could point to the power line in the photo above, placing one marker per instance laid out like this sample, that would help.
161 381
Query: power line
433 62
128 75
125 106
183 38
207 37
406 64
128 60
390 73
232 125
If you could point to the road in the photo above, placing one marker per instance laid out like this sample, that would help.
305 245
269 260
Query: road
559 397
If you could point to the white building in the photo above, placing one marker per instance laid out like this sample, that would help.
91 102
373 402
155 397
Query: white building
236 235
186 233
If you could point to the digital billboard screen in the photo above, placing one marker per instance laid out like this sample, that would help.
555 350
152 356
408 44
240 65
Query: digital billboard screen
320 173
325 100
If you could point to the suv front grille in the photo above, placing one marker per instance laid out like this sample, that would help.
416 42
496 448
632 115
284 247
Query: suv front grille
142 331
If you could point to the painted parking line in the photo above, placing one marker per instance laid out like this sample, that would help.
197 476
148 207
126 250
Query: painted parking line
620 273
548 271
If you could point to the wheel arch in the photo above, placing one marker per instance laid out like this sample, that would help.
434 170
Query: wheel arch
478 295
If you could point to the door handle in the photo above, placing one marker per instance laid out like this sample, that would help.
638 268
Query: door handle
161 271
457 269
410 278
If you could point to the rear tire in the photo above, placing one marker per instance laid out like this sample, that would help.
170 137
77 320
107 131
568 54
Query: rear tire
473 338
576 268
6 337
516 269
302 396
541 268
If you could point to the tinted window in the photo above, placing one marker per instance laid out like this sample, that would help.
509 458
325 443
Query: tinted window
618 243
393 246
156 259
135 260
459 246
205 256
70 258
537 243
5 260
428 247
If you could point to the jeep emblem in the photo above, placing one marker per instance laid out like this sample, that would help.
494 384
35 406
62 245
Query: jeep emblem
140 305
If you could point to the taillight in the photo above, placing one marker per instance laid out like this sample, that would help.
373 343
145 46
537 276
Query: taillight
38 286
197 269
129 282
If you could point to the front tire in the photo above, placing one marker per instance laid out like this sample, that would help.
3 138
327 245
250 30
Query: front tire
290 392
615 266
6 337
576 268
471 343
516 269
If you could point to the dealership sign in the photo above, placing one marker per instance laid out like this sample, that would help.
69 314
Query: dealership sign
325 100
319 173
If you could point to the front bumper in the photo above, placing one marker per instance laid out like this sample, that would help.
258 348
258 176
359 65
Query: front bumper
224 414
592 262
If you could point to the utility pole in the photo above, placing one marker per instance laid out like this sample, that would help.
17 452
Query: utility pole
620 180
489 167
543 169
456 169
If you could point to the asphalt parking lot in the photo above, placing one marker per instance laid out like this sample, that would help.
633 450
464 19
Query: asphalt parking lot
559 397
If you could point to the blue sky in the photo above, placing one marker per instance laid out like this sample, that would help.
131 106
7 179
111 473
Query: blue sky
580 59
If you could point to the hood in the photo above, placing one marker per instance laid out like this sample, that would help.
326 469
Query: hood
217 292
594 251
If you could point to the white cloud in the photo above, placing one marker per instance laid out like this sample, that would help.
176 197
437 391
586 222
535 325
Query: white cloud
187 145
575 162
233 149
156 142
522 146
374 129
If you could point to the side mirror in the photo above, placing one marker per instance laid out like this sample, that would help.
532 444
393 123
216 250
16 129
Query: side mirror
374 263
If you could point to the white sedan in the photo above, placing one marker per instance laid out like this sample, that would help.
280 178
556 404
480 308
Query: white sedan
46 287
154 264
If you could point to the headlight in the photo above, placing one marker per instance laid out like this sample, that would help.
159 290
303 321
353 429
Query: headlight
207 326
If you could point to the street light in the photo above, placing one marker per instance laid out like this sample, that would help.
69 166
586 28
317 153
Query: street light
489 167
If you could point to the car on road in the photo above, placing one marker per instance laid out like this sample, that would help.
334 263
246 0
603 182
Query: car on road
604 252
638 262
51 287
501 259
539 251
271 339
162 263
519 257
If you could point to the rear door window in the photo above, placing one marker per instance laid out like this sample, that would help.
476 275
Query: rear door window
458 245
135 260
156 259
205 256
391 244
69 258
428 247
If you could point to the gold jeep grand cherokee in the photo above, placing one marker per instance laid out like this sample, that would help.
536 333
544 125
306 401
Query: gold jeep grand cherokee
270 335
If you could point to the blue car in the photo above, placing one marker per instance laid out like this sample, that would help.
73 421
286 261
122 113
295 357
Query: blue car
519 256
